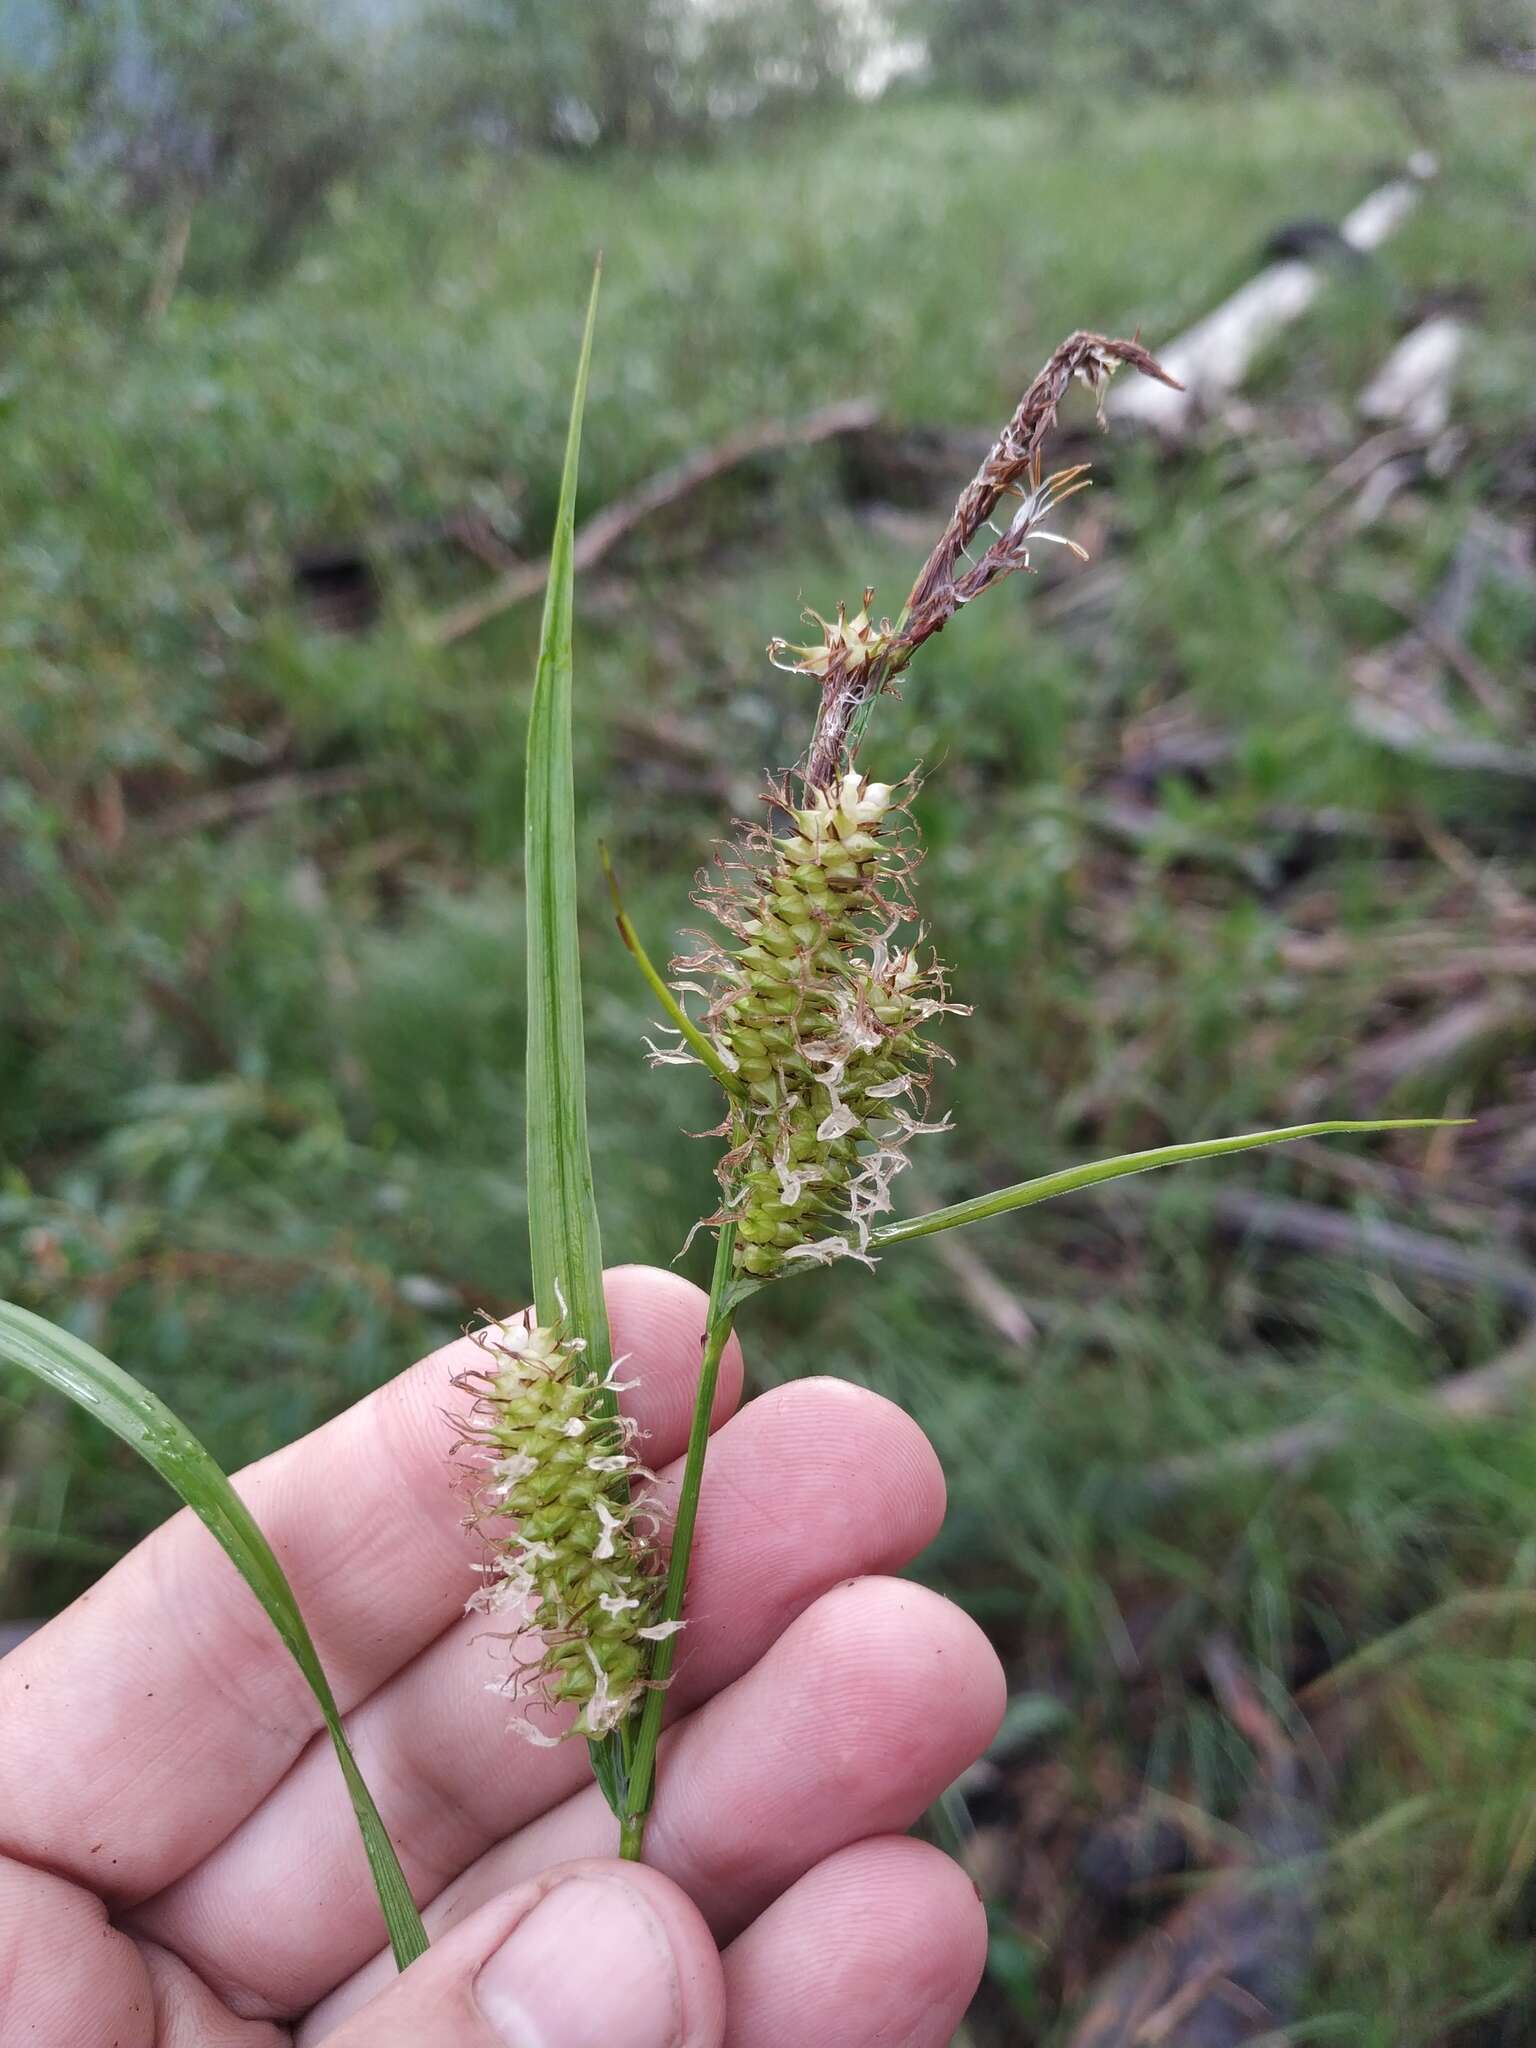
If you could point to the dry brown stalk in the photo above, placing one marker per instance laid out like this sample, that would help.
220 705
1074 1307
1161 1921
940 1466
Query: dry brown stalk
992 1301
1092 358
856 667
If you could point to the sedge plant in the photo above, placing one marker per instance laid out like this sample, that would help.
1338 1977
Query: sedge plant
816 1004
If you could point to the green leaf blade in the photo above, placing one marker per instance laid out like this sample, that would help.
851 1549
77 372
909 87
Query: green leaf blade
1026 1193
565 1246
74 1369
564 1243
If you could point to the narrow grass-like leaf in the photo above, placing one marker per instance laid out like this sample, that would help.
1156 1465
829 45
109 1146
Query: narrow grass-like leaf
1027 1192
72 1368
562 1214
564 1244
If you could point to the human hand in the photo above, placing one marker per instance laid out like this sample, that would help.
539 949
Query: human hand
180 1866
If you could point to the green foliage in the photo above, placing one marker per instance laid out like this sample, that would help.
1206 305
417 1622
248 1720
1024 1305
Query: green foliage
999 48
565 1249
256 105
204 139
164 135
57 200
631 74
111 1397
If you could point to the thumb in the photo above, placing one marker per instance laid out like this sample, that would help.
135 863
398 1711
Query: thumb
589 1955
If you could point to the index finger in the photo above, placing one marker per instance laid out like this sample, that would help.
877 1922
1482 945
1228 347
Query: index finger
153 1715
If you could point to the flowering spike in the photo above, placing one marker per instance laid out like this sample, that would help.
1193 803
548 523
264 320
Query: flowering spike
818 1008
573 1570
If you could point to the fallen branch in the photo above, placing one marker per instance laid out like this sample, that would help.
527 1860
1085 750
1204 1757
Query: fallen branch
607 528
1400 699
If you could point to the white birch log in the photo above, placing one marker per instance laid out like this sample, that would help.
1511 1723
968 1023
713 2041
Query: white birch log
1213 357
1413 386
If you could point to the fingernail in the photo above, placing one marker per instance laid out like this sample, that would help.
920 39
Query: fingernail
590 1967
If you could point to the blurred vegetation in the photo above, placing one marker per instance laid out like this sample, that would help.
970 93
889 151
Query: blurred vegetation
119 116
259 896
1002 48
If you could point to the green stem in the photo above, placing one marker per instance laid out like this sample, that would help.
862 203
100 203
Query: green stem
642 1772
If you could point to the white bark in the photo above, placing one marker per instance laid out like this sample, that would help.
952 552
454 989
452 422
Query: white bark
1413 386
1213 357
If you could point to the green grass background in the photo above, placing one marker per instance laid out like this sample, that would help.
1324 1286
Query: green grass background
260 1126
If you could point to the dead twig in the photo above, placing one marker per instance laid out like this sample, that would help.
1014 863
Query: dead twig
1401 734
1347 477
1395 1058
993 1303
1401 702
1509 908
607 528
1404 955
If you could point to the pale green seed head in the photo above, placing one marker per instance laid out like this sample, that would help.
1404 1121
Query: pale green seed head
568 1568
819 1014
